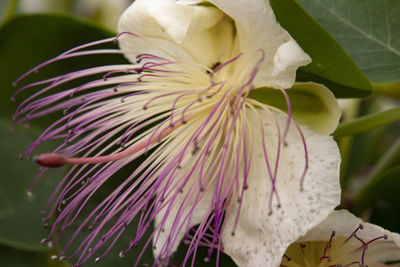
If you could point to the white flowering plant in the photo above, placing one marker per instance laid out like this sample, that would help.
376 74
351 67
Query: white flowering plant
200 133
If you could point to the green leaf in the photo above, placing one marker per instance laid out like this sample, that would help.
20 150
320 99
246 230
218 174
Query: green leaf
27 41
368 122
19 258
367 29
20 218
331 65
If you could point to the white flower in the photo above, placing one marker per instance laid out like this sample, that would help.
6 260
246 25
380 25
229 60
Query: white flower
227 171
344 240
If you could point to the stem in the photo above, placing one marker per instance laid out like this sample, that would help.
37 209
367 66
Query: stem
389 89
368 122
346 143
390 159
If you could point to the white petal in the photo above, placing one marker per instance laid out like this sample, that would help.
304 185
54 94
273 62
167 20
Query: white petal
261 239
203 35
344 223
257 28
191 33
175 217
286 61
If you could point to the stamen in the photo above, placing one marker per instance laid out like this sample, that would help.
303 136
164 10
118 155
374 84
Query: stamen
328 246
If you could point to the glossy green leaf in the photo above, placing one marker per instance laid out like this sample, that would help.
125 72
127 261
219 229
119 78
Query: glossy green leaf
10 257
27 41
20 218
331 65
368 30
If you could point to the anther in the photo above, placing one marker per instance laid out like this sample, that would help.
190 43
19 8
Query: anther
270 213
54 257
121 254
97 260
287 257
285 144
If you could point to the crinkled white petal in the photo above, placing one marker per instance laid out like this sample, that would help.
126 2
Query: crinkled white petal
257 28
261 239
344 223
203 34
287 59
195 34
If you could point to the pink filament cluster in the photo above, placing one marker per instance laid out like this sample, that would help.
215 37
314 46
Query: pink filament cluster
101 135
